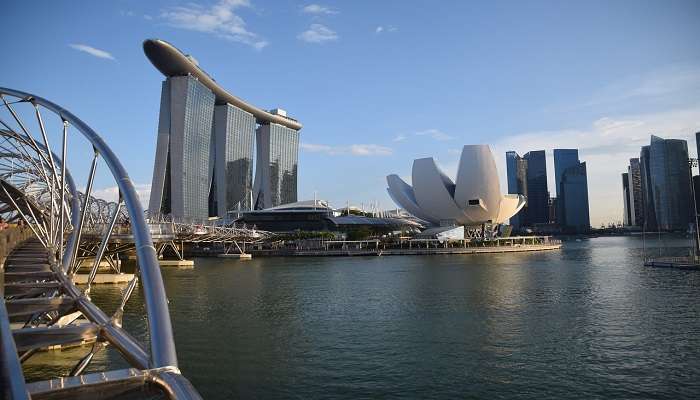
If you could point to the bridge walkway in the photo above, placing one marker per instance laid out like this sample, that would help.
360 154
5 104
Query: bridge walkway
40 314
40 252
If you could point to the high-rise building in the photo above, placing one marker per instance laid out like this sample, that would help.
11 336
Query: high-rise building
537 192
627 215
563 159
276 166
696 187
234 132
517 184
636 202
573 200
670 183
182 171
204 156
649 223
553 210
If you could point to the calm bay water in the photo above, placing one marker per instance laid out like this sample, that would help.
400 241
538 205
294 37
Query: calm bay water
588 321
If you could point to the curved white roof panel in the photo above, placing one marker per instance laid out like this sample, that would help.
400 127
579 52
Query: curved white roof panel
474 199
402 193
471 186
510 205
172 62
303 205
434 191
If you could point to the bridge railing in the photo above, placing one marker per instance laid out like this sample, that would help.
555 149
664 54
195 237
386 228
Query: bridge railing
37 188
159 230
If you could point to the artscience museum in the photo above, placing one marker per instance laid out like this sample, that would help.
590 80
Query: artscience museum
473 199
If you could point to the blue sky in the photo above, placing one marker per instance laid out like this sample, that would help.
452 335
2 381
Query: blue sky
377 84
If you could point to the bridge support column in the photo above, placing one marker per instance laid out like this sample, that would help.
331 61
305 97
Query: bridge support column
180 262
241 255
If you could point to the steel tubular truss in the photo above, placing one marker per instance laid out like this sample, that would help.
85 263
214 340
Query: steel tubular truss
37 190
211 233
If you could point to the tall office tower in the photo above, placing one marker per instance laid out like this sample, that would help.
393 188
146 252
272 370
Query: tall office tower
696 179
517 184
537 192
635 193
563 159
627 215
275 166
670 182
182 170
696 187
573 200
234 132
553 210
647 193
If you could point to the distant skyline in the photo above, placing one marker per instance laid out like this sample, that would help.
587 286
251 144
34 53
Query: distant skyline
377 85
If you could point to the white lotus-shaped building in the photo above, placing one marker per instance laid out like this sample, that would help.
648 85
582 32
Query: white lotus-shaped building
474 199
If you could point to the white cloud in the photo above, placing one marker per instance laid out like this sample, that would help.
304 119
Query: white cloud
370 150
606 147
435 134
318 33
91 50
388 28
353 149
315 148
317 9
219 19
662 86
659 83
143 190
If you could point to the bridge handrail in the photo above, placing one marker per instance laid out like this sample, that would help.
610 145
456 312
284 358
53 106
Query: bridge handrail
161 336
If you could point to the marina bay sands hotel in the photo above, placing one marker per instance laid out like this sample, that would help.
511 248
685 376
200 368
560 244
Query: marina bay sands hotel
204 152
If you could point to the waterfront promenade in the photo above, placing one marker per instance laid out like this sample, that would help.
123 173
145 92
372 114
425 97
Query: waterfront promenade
406 251
407 247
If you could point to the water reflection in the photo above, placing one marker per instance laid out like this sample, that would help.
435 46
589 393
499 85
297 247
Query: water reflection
586 321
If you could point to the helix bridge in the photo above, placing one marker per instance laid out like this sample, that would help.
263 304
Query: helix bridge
66 228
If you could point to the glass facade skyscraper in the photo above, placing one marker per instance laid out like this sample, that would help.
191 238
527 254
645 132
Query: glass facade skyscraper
182 172
697 143
572 211
517 184
204 154
647 189
527 175
563 159
234 133
636 201
276 166
627 208
670 183
537 192
573 200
